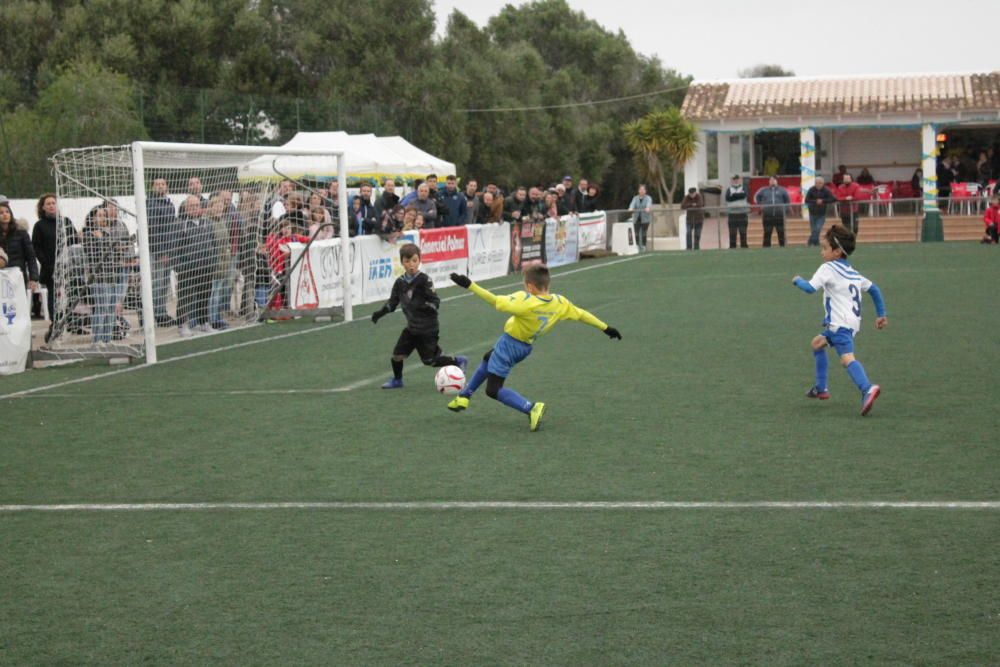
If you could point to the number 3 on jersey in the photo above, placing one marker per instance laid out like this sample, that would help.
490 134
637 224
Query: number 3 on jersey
856 297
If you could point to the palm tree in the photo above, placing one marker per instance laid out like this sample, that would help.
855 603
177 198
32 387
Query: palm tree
662 141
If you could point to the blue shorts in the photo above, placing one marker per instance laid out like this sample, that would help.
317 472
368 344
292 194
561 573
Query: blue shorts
507 352
842 340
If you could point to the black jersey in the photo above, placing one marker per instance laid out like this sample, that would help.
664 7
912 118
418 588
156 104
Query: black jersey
419 302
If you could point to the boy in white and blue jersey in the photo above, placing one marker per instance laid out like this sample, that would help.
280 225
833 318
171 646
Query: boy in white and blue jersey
842 289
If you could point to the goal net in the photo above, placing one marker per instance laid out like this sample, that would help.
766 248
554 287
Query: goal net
171 241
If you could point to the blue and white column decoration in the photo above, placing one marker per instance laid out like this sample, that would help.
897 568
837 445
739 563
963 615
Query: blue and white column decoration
807 160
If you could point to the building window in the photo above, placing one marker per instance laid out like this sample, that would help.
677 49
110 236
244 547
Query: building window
712 153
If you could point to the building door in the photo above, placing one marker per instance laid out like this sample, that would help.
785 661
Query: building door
740 155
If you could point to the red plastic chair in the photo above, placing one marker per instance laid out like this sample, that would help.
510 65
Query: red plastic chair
960 197
883 199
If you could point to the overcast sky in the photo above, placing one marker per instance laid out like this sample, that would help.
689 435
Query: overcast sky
714 40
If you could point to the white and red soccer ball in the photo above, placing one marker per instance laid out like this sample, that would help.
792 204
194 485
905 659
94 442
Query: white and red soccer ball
449 379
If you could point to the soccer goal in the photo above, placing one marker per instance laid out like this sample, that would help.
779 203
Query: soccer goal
178 240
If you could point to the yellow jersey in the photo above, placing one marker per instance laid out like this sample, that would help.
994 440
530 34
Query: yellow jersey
532 316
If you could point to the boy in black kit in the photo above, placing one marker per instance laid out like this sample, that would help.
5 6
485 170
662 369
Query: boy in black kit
414 291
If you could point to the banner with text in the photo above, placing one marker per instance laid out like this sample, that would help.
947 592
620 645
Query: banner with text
444 251
316 281
562 242
527 244
489 250
15 322
593 231
381 265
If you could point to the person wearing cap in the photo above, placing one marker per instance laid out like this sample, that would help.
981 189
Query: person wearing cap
737 211
641 208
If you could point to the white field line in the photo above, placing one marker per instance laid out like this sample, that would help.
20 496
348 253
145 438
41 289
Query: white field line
351 386
512 505
291 334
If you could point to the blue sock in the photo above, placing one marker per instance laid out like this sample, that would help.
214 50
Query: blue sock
857 373
512 399
822 363
477 379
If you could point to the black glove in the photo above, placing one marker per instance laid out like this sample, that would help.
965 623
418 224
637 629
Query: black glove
379 314
460 280
611 332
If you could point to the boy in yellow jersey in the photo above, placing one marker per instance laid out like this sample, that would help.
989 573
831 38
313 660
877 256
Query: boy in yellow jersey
532 313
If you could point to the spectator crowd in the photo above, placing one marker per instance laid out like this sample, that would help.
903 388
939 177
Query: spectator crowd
237 243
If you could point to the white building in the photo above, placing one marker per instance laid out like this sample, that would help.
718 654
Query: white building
890 124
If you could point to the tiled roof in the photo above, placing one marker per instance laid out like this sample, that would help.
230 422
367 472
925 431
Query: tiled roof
800 96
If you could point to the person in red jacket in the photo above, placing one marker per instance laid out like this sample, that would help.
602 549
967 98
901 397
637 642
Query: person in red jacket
848 194
278 252
992 221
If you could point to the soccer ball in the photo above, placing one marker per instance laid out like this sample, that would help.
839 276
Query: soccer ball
449 379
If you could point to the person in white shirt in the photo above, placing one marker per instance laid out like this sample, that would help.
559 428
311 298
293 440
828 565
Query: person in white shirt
641 208
842 288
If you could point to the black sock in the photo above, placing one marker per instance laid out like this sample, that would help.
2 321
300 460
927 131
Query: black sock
442 360
397 369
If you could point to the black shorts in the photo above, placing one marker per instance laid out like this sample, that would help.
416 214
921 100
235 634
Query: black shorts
426 345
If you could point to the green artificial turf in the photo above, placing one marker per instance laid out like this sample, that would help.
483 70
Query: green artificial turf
703 400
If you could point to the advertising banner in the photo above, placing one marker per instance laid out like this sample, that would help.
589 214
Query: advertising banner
527 244
15 322
444 251
593 231
489 250
316 281
381 266
562 240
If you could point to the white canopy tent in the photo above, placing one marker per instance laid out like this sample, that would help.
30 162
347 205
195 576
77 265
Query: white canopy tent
367 156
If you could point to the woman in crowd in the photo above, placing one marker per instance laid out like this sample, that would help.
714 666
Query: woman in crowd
17 246
865 178
409 216
593 196
319 216
43 239
917 182
104 241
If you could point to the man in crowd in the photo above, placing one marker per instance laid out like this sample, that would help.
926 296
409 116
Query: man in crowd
774 201
582 196
848 192
818 197
277 206
516 206
454 201
737 211
472 201
569 195
164 233
194 188
387 199
426 206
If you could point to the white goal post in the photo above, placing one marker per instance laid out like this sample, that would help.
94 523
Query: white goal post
198 229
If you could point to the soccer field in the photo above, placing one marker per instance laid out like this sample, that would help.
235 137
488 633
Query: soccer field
257 499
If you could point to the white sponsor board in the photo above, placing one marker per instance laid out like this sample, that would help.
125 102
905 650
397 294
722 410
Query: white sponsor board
489 250
15 322
562 240
316 281
380 265
593 231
